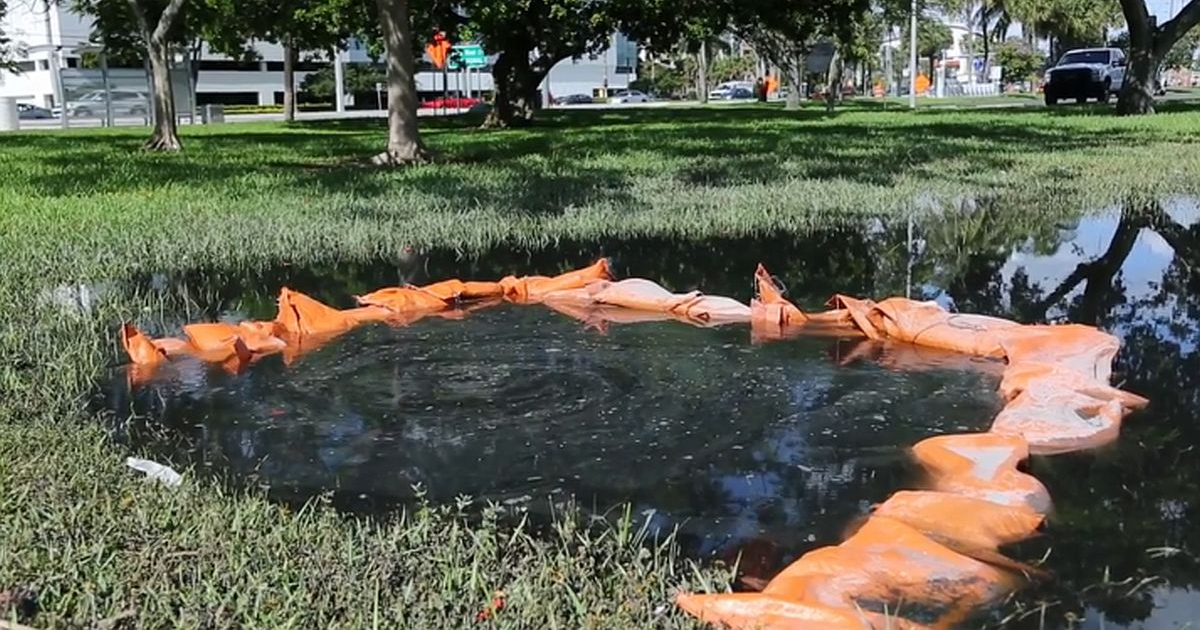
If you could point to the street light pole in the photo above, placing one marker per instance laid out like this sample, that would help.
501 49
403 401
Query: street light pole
912 57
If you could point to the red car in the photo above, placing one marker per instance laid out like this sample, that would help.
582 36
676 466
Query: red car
450 102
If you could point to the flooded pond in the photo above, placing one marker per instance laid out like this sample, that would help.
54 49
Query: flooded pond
770 449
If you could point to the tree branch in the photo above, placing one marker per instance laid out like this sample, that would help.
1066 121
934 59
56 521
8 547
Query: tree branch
1169 33
166 20
140 15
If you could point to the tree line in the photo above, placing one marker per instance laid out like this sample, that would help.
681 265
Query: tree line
530 36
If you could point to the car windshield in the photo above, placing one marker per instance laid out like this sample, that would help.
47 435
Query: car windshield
1084 56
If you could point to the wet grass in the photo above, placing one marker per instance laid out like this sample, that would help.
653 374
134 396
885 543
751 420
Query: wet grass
84 540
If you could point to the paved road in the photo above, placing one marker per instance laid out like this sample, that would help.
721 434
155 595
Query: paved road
925 103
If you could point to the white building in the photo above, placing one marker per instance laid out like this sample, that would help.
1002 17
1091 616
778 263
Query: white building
51 34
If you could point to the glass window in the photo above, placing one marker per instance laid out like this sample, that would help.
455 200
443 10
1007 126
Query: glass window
1084 56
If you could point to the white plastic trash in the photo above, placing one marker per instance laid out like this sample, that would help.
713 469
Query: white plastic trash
155 471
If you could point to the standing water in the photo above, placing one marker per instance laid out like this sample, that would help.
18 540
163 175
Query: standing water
770 449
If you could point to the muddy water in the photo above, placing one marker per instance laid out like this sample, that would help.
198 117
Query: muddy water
771 449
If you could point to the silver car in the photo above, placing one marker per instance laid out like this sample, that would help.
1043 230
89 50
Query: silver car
25 111
124 103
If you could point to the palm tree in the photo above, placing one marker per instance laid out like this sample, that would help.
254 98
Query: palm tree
993 15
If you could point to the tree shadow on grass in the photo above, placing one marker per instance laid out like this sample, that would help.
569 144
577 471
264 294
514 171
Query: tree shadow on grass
571 158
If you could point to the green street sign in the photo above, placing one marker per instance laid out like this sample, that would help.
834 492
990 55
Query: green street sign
466 55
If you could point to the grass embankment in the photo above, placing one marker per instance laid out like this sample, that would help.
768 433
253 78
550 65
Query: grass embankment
96 543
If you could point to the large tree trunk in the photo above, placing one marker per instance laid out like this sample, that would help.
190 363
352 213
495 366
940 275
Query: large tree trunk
795 81
1137 91
289 81
702 73
517 84
164 137
404 144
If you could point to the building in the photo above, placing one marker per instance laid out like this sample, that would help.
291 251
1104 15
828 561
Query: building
53 36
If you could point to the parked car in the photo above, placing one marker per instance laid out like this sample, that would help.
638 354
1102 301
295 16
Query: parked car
124 103
450 102
629 96
1086 73
573 99
726 91
26 111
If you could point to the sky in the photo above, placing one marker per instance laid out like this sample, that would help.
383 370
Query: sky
1162 8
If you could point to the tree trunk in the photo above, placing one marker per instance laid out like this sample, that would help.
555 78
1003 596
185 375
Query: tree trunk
289 81
165 136
1137 95
795 81
833 87
517 84
702 73
986 49
404 138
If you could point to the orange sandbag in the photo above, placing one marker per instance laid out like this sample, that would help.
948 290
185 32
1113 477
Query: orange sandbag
967 522
772 316
643 295
215 337
140 348
534 288
1081 348
762 611
927 324
885 563
598 317
449 290
1054 419
405 299
1021 376
984 466
859 312
302 315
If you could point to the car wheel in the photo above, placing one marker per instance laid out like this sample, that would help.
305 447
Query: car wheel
1081 99
137 111
1104 95
82 113
1051 101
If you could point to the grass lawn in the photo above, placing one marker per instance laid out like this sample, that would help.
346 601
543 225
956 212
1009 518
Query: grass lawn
96 543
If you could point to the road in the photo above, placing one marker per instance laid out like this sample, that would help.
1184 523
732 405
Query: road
925 103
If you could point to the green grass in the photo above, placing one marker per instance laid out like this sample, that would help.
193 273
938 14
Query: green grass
96 543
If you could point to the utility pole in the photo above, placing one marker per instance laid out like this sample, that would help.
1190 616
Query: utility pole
912 57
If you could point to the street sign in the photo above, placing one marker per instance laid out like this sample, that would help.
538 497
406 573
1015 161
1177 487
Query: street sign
977 64
467 56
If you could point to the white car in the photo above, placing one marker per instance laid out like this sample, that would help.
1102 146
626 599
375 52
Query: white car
629 96
1086 73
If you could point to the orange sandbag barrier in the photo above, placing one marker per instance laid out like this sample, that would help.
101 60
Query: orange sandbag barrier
303 324
930 558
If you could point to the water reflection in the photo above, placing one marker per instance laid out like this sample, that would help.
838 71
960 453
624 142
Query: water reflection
770 448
